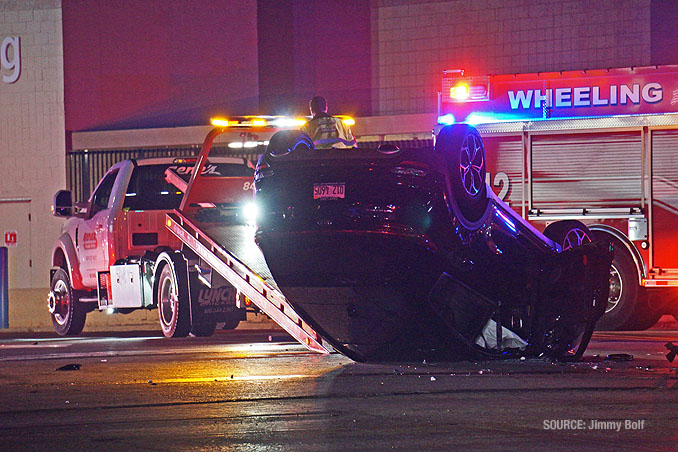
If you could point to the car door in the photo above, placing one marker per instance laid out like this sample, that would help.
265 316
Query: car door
93 232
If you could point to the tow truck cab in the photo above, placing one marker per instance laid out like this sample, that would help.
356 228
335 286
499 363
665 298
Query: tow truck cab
110 245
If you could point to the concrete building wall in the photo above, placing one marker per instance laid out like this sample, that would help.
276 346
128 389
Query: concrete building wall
415 40
31 136
133 64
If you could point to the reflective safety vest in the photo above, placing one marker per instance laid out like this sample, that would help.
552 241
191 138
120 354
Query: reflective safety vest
328 132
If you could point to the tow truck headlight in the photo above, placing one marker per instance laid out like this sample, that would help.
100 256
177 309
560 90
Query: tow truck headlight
250 211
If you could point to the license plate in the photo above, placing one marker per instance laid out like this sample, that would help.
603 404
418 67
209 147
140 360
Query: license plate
334 190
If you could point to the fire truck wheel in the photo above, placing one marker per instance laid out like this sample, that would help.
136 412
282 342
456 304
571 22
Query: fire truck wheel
627 307
286 141
172 297
68 314
465 155
203 329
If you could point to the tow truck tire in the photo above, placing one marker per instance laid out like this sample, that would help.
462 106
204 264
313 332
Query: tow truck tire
172 296
627 307
69 315
203 329
465 155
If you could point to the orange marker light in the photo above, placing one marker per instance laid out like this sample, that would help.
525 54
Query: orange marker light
219 122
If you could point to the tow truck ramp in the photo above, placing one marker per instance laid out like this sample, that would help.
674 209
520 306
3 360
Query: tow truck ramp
218 245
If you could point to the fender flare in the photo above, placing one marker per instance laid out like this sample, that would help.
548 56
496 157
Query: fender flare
64 244
626 242
165 258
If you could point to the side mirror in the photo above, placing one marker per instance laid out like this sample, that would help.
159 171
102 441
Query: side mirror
62 204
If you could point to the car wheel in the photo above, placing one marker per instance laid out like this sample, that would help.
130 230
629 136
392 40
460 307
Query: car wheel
68 314
286 141
568 233
172 296
570 341
627 307
465 156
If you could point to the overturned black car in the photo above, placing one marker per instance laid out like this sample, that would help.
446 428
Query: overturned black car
399 254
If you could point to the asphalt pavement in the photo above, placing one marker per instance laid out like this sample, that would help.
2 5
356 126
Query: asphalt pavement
258 391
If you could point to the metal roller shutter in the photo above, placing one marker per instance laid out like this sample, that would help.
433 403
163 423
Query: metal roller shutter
586 170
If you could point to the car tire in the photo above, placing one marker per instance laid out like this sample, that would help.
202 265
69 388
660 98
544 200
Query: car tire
68 314
464 153
627 307
568 233
286 141
172 296
571 234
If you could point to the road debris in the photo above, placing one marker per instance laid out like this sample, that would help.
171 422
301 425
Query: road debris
620 357
69 367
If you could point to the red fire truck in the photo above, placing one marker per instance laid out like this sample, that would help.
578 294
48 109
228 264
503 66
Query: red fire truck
599 146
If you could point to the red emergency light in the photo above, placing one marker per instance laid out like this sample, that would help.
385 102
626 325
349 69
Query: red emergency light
457 88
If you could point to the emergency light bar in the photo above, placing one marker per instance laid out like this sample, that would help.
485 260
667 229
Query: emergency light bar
269 121
258 121
457 88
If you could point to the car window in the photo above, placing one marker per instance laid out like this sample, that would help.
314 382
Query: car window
103 193
148 190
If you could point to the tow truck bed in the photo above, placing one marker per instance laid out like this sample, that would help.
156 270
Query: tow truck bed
239 240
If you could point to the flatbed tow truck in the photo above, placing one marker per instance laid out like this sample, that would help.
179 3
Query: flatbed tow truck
197 264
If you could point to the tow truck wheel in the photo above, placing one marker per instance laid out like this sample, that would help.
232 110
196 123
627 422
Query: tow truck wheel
68 314
465 155
172 296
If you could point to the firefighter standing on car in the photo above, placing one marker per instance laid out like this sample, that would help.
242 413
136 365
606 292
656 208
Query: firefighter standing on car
327 131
